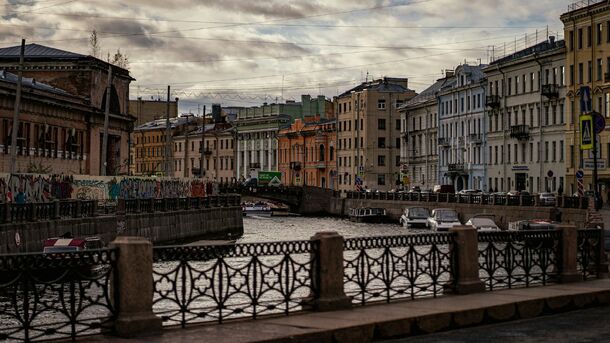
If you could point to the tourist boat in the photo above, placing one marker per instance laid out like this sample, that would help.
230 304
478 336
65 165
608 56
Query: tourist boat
367 215
259 209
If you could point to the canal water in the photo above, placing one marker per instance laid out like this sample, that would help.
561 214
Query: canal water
260 229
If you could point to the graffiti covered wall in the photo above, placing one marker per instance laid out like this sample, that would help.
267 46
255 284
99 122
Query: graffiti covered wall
44 188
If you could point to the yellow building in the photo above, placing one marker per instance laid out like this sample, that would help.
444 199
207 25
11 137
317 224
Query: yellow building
587 34
150 148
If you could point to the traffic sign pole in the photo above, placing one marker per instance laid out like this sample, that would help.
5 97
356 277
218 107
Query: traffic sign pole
596 190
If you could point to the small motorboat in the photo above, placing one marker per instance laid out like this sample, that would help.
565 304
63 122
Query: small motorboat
367 215
258 209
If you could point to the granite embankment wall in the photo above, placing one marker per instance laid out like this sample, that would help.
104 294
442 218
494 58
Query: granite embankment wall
503 214
159 227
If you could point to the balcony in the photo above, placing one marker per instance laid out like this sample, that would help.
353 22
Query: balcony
444 141
520 132
296 166
492 101
475 138
321 165
206 151
551 91
456 168
607 77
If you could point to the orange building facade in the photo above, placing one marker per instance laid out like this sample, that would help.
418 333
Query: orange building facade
307 153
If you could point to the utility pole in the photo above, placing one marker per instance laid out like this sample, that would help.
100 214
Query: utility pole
106 119
16 113
202 145
168 138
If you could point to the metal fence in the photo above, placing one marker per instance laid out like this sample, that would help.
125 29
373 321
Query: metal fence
215 283
29 212
58 296
478 199
519 258
398 267
178 204
588 256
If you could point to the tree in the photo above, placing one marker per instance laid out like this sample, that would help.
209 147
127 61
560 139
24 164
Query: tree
120 59
94 45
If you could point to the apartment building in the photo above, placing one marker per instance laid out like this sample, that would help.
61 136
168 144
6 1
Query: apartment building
258 127
587 32
219 153
368 137
419 147
307 152
462 129
526 119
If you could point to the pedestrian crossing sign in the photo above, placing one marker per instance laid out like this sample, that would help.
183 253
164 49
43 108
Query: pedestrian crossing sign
586 132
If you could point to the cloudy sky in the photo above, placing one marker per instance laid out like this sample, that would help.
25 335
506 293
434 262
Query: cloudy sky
246 52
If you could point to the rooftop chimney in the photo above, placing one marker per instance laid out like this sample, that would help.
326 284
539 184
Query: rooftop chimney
552 40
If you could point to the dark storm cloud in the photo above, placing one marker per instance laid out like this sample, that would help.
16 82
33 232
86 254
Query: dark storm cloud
274 8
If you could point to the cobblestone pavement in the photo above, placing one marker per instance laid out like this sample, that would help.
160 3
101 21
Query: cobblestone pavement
589 325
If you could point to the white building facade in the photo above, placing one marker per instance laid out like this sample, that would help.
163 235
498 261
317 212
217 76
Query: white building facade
462 129
526 119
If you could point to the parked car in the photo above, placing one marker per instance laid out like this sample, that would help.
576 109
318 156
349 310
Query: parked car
535 224
469 191
444 189
442 219
483 222
547 199
415 217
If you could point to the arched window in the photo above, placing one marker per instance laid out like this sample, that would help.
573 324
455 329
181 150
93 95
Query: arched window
331 153
321 152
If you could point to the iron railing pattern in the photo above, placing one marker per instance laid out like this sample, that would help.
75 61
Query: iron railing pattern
588 255
56 296
195 284
510 259
398 267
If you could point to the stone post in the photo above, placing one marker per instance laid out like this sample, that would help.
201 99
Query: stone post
536 201
569 249
77 208
520 199
121 206
466 247
328 273
134 288
56 209
493 199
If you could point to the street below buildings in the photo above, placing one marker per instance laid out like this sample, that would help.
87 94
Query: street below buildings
589 325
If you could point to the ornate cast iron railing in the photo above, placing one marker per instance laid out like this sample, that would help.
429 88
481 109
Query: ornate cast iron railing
195 284
588 256
398 267
56 296
519 258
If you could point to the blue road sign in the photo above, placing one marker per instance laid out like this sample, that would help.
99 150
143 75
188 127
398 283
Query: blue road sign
600 123
585 99
580 174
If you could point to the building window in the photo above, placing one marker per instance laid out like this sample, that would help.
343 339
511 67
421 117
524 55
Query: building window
381 124
588 36
381 142
398 161
381 104
398 124
397 143
561 151
571 35
546 151
589 71
580 73
580 38
599 69
599 33
381 160
571 75
381 179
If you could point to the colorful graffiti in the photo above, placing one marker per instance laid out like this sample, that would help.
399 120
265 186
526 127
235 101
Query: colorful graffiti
44 188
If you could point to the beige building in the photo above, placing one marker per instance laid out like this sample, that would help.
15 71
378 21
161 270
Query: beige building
526 119
368 134
418 151
219 161
587 32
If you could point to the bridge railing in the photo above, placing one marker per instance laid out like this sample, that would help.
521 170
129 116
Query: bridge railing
177 204
43 211
478 199
57 295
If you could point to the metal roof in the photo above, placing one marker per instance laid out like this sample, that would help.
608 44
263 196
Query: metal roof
31 83
38 51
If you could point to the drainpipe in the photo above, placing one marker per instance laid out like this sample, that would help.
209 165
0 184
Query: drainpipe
541 167
505 125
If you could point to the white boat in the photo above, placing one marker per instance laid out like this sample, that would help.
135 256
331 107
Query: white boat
259 209
367 215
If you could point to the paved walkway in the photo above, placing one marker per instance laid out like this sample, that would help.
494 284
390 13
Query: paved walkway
593 325
379 322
